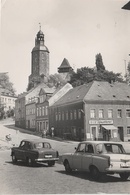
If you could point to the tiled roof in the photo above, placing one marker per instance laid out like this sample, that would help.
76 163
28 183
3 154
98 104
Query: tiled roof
74 95
6 92
105 91
96 91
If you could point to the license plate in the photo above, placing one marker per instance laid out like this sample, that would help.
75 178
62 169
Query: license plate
48 156
123 165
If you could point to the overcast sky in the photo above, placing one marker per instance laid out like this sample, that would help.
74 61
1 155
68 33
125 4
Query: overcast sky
73 29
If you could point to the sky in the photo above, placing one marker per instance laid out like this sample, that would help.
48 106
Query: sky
74 29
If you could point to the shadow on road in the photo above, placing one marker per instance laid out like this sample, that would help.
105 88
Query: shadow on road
23 164
87 176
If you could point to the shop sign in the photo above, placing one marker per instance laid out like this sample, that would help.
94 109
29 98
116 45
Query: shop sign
100 122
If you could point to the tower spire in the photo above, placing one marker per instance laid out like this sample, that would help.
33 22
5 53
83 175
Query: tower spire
39 26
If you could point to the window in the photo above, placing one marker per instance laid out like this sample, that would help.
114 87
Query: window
128 113
37 111
101 113
75 114
81 148
119 113
110 113
71 115
62 115
92 113
128 130
43 111
89 148
40 111
79 114
59 116
56 116
46 110
67 117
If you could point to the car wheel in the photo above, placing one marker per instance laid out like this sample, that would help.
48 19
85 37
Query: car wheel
51 163
14 159
124 176
94 173
67 167
30 162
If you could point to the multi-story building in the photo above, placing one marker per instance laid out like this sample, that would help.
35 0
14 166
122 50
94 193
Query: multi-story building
97 110
20 112
42 122
7 100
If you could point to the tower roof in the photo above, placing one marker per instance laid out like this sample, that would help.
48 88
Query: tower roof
64 64
126 6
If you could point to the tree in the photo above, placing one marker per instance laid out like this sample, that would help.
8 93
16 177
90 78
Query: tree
86 75
5 82
99 62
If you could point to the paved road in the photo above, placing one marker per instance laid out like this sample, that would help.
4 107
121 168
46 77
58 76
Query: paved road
20 179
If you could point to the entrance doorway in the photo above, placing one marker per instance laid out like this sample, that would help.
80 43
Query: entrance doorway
94 133
121 133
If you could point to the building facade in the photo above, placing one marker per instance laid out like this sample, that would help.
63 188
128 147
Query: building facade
97 110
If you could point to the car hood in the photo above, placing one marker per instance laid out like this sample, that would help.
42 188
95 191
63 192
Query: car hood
119 157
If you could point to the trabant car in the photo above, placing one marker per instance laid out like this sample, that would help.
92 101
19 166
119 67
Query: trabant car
97 158
33 151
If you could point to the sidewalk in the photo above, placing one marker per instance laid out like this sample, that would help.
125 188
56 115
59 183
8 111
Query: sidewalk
7 127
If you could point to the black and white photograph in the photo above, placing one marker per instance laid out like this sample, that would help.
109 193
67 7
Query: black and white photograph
64 97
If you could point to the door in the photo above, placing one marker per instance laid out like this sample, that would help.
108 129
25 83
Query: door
77 157
93 131
87 157
121 133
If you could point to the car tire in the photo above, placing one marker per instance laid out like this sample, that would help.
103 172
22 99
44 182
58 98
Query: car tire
124 176
30 162
95 174
14 159
67 167
51 163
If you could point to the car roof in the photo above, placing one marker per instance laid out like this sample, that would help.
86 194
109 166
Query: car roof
36 140
101 142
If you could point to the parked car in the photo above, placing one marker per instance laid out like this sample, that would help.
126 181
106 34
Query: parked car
33 151
97 158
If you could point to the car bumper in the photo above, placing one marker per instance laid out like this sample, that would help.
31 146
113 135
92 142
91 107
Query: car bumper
117 170
46 159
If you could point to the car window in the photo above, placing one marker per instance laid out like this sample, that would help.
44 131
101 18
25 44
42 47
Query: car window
28 145
22 145
81 148
114 148
89 148
99 148
42 145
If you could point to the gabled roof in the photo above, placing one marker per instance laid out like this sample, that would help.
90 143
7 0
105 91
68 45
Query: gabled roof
76 94
46 91
96 91
65 64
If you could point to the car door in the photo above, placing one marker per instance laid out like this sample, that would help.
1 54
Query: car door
87 157
20 151
77 157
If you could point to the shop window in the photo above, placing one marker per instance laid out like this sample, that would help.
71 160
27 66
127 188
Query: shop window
128 113
128 130
101 113
119 113
110 113
92 113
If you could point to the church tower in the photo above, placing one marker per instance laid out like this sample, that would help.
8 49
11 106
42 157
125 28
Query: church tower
40 61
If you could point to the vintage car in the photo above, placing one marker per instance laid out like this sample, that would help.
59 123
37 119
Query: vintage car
97 158
33 151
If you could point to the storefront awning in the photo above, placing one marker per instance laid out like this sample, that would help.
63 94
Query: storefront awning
109 127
